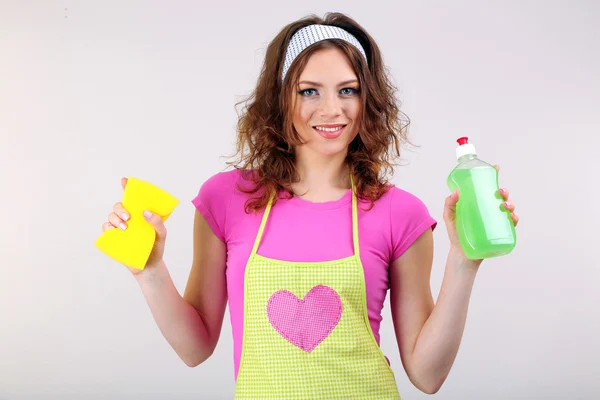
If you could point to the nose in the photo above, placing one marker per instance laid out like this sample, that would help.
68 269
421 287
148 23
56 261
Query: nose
330 106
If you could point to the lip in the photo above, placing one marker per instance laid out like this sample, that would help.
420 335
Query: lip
331 135
330 125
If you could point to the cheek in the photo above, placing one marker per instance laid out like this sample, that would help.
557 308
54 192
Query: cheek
353 113
302 117
353 110
305 112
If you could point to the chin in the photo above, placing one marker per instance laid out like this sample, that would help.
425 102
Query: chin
329 149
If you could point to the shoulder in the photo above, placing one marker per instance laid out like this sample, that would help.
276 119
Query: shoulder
221 181
403 201
214 197
224 184
409 217
397 200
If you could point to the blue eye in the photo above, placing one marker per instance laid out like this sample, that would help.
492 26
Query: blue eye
349 91
305 92
344 92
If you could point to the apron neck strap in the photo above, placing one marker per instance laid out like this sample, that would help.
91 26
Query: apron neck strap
355 218
263 222
262 227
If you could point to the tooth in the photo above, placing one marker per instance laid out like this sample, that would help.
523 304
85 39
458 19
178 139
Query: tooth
329 129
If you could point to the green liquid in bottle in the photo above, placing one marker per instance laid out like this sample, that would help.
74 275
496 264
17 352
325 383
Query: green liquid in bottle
484 227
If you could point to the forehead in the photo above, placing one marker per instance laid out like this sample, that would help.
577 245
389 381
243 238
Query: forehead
328 65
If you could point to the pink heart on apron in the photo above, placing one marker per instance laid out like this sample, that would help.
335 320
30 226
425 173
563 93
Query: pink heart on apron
305 323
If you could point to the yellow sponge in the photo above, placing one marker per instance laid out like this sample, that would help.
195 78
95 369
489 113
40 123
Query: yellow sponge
132 246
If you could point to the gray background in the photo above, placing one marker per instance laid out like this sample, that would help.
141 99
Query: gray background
92 91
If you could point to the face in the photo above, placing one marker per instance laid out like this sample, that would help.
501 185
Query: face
327 104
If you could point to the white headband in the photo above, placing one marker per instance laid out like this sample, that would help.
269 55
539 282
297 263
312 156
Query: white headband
312 34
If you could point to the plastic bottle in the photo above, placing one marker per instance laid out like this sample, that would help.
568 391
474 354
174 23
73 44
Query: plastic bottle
484 226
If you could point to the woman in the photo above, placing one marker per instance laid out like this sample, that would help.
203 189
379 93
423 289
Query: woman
305 236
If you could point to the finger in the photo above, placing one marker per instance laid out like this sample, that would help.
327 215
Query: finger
515 218
156 221
120 210
452 199
124 182
450 204
509 205
106 226
116 221
504 194
497 167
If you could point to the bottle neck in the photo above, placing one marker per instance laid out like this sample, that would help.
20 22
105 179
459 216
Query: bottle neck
467 157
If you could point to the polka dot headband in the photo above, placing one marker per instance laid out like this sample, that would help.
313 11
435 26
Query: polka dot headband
312 34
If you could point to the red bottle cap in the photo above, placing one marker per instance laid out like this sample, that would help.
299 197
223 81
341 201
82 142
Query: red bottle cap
463 140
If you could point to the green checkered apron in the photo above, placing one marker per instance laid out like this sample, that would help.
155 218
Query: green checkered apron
306 330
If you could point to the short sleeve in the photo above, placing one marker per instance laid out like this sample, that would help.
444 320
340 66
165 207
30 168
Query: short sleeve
409 218
213 199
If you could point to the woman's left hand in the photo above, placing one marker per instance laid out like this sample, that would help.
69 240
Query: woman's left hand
450 213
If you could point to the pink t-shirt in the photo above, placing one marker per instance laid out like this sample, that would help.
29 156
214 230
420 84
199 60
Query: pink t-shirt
298 230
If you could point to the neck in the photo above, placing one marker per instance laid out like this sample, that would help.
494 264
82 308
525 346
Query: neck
321 178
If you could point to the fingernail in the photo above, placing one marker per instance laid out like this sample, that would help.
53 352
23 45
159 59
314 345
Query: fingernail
507 204
125 216
147 214
122 226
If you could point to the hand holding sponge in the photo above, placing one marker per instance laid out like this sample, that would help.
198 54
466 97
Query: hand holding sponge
132 247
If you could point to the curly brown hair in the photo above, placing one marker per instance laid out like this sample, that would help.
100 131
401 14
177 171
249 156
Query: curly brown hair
267 138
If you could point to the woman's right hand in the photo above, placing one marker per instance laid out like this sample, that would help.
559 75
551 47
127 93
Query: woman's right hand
118 219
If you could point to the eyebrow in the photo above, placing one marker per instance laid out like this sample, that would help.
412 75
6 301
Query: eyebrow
319 84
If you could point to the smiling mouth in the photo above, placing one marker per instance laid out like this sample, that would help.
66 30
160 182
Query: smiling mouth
330 131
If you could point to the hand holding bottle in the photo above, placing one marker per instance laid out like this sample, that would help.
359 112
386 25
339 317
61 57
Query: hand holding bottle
476 211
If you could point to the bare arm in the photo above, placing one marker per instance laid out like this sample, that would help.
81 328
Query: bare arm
429 335
191 324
